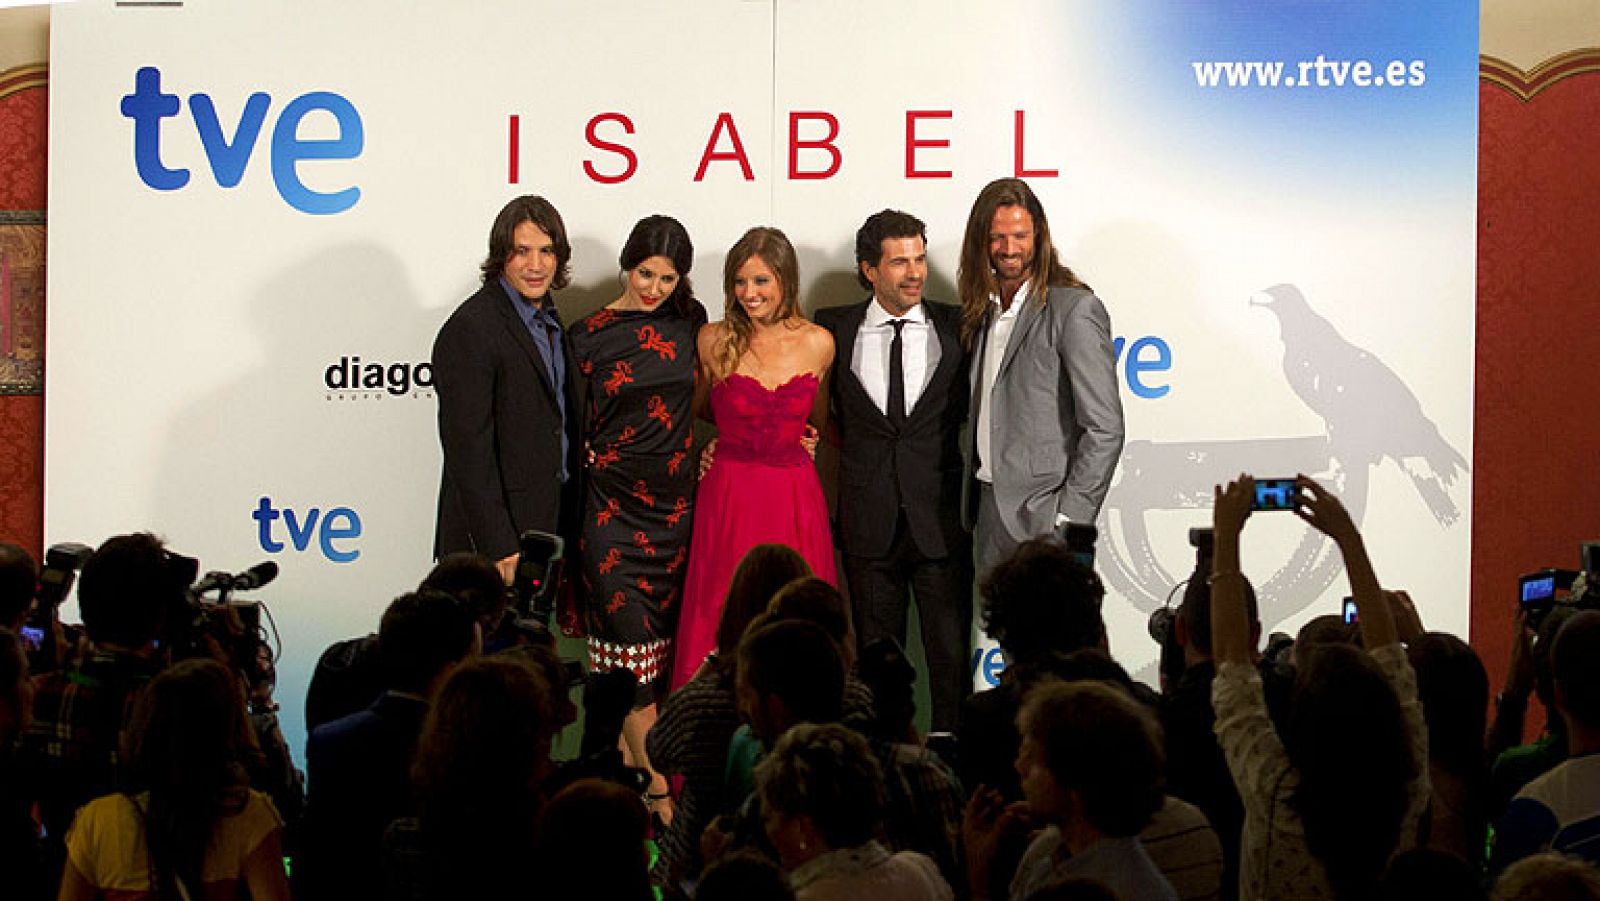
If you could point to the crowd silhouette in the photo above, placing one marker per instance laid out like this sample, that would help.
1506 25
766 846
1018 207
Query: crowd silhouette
1359 760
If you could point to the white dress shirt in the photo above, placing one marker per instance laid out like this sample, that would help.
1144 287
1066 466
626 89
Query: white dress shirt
995 339
919 353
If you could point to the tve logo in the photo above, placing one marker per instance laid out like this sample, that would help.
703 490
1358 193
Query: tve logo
148 105
339 524
990 663
1138 365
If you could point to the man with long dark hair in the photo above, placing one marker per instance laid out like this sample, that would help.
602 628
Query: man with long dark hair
1045 425
507 387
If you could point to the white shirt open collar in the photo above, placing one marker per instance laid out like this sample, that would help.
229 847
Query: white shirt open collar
996 337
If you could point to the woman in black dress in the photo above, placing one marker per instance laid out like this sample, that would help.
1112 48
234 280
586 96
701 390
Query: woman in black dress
638 356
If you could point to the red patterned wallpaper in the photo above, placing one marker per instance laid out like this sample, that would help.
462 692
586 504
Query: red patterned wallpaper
23 122
22 141
22 471
1536 484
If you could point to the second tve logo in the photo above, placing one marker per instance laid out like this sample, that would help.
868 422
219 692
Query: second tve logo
335 529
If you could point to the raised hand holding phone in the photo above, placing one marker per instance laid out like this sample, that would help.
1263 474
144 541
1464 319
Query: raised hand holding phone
1231 505
1230 629
1322 510
1275 494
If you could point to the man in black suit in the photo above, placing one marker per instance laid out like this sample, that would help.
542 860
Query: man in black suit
508 395
898 398
359 766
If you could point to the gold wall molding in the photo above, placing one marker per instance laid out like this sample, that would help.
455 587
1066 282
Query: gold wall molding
21 78
1525 84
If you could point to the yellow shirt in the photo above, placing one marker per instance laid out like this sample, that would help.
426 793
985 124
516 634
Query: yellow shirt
106 844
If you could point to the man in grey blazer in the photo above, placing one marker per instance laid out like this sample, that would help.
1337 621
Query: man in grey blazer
1044 429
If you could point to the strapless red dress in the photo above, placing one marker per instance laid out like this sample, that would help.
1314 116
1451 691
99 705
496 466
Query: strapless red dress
762 488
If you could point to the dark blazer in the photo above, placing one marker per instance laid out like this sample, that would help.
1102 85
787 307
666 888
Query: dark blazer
500 428
918 465
358 770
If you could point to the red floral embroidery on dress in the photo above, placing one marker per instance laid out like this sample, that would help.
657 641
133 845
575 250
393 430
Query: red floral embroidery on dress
677 559
607 457
658 411
586 367
667 601
601 319
642 492
613 557
675 461
680 508
643 541
612 508
627 435
621 374
650 339
616 602
644 585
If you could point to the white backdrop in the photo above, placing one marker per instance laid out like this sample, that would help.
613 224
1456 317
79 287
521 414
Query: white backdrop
191 329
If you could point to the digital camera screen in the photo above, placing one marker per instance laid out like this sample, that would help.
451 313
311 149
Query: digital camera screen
1540 589
1274 494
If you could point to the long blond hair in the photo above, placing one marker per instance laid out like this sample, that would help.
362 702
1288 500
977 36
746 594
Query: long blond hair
774 249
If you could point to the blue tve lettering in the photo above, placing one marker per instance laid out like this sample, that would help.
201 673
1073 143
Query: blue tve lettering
350 528
300 536
265 516
148 105
338 524
1138 363
228 159
289 149
990 663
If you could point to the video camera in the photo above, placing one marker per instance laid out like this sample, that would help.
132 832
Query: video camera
607 696
61 564
1160 624
203 619
213 619
1080 538
1540 591
538 576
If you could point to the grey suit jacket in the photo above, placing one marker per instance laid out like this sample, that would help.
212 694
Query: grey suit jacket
1056 420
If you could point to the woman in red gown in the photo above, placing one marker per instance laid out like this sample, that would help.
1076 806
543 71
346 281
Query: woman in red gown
761 370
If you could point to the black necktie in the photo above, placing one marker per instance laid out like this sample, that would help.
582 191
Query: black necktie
897 376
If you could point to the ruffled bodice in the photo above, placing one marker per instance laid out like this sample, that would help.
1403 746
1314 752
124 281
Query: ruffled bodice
757 424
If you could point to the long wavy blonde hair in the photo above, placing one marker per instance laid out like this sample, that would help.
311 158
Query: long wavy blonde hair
774 249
